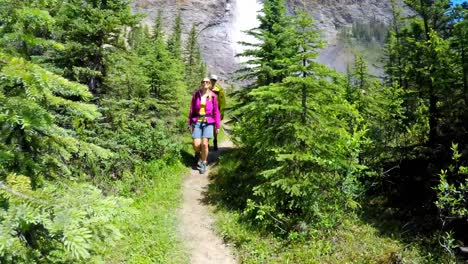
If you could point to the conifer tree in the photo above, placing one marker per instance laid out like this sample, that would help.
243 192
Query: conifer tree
381 109
459 42
146 87
195 66
270 56
87 28
426 31
27 27
41 115
158 26
174 43
53 140
299 134
425 55
394 67
138 37
162 69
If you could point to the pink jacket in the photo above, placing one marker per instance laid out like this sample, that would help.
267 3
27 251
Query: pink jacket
212 109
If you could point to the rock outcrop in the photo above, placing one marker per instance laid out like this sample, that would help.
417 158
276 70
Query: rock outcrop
331 16
213 18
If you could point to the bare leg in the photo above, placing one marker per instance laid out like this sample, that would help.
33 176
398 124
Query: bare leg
204 150
197 145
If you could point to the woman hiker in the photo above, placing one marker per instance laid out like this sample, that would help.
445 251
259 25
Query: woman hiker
203 121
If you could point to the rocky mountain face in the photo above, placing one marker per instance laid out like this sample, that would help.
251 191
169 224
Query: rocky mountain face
215 20
212 19
331 16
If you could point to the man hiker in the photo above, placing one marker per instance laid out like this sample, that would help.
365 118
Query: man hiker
218 90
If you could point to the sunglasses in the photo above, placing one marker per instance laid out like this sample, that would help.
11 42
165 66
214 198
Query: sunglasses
205 82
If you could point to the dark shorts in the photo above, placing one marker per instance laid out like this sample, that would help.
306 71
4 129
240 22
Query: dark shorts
202 130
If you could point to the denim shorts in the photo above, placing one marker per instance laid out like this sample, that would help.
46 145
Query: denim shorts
202 130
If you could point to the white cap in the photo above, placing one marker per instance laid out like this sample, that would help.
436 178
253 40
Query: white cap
213 77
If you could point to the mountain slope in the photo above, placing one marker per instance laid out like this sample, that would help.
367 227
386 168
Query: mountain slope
214 19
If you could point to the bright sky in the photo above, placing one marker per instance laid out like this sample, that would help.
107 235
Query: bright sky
458 1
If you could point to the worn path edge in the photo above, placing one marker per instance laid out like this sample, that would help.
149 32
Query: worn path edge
196 219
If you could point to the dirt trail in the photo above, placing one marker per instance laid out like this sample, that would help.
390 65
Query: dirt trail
197 223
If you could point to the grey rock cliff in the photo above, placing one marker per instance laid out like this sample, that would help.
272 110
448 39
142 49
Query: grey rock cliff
213 18
332 15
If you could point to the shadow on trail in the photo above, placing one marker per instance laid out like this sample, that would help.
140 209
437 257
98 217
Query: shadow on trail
229 187
188 157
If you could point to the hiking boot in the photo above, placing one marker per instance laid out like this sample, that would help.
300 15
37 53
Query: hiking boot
202 168
215 144
199 164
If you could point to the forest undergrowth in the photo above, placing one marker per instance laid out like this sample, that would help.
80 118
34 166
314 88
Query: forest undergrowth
330 167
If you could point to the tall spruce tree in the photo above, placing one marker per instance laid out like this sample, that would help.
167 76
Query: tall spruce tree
270 56
459 41
297 128
194 65
87 28
381 108
162 69
174 43
432 26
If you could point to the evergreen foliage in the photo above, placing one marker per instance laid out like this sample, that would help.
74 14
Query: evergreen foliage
269 57
372 31
304 169
61 140
59 223
175 41
89 97
381 109
195 68
40 132
88 28
425 58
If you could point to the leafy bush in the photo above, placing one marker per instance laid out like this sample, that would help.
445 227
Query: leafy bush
452 190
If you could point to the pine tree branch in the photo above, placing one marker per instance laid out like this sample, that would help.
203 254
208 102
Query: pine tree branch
21 195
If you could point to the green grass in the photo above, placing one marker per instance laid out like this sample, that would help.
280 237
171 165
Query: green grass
355 240
150 232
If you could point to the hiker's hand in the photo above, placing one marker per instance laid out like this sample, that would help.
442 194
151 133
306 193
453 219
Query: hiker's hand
217 131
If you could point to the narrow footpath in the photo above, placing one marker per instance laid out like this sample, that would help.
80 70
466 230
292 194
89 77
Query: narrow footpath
196 221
